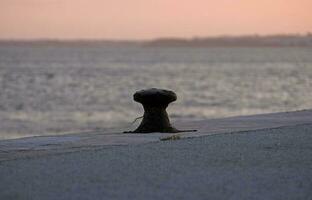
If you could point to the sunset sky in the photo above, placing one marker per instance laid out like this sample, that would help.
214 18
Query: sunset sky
145 19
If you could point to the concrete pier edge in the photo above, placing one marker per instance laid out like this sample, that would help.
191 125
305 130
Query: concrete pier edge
59 144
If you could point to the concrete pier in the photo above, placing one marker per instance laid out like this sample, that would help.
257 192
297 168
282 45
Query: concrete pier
265 156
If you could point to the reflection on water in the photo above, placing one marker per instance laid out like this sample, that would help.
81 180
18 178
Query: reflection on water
58 88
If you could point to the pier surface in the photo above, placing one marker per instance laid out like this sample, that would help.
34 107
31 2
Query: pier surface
265 156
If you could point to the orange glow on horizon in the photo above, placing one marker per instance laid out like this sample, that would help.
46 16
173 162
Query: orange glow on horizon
143 19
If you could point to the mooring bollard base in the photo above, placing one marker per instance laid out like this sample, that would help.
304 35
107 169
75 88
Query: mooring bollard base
156 129
177 131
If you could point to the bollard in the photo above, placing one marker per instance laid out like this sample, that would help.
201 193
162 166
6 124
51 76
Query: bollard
155 118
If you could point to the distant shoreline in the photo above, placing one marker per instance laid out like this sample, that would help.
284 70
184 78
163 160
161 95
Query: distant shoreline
282 40
237 41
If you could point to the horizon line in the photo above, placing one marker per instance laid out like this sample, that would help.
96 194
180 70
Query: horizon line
56 39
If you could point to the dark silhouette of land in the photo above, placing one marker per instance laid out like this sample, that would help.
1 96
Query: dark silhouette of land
281 40
236 41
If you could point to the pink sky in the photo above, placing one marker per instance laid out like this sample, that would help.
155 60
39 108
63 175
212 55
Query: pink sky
144 19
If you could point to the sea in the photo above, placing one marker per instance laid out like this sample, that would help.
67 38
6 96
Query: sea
65 87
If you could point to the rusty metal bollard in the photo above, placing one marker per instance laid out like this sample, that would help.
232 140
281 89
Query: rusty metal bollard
155 118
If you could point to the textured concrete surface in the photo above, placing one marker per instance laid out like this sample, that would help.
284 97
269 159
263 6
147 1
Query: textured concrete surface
47 145
265 164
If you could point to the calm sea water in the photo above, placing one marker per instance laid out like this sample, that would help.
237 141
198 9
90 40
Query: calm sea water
52 89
